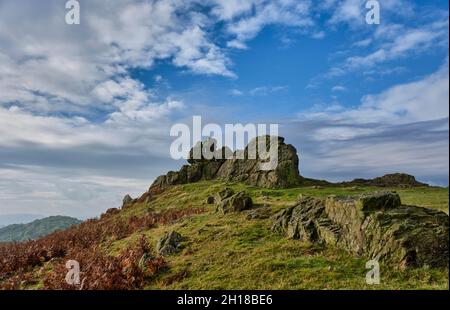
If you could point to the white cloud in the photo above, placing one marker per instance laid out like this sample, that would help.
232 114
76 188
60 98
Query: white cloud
72 166
31 189
291 13
348 11
422 100
404 42
228 10
338 88
236 92
363 43
377 48
266 90
353 12
258 91
48 66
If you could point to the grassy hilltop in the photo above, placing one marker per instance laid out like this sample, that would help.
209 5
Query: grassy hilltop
229 251
221 251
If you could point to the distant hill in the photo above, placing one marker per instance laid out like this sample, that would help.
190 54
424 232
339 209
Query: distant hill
18 218
36 229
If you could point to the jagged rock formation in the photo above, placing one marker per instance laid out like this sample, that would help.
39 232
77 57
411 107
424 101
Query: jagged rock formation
376 226
246 170
389 180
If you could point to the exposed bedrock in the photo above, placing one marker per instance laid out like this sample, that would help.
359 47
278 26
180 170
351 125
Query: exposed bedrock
376 226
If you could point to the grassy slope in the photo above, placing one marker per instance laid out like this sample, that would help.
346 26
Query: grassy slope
230 252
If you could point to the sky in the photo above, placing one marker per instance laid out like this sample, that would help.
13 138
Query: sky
86 110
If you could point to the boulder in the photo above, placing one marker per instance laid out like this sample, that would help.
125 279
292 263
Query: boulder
223 194
127 200
227 201
170 243
376 226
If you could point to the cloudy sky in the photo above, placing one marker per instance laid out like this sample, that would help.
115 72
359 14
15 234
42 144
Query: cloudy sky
86 110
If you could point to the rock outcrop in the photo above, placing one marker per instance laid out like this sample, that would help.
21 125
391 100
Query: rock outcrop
375 226
402 180
170 243
242 167
127 201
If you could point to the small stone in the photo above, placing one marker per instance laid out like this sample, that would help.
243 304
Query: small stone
170 243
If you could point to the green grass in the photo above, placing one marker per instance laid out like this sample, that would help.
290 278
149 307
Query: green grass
230 252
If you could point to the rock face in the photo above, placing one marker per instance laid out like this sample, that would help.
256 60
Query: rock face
169 244
243 167
227 201
389 180
375 226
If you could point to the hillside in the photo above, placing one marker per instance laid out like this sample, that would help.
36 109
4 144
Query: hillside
221 251
211 230
237 251
36 229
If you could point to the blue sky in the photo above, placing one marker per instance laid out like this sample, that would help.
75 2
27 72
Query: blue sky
86 110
